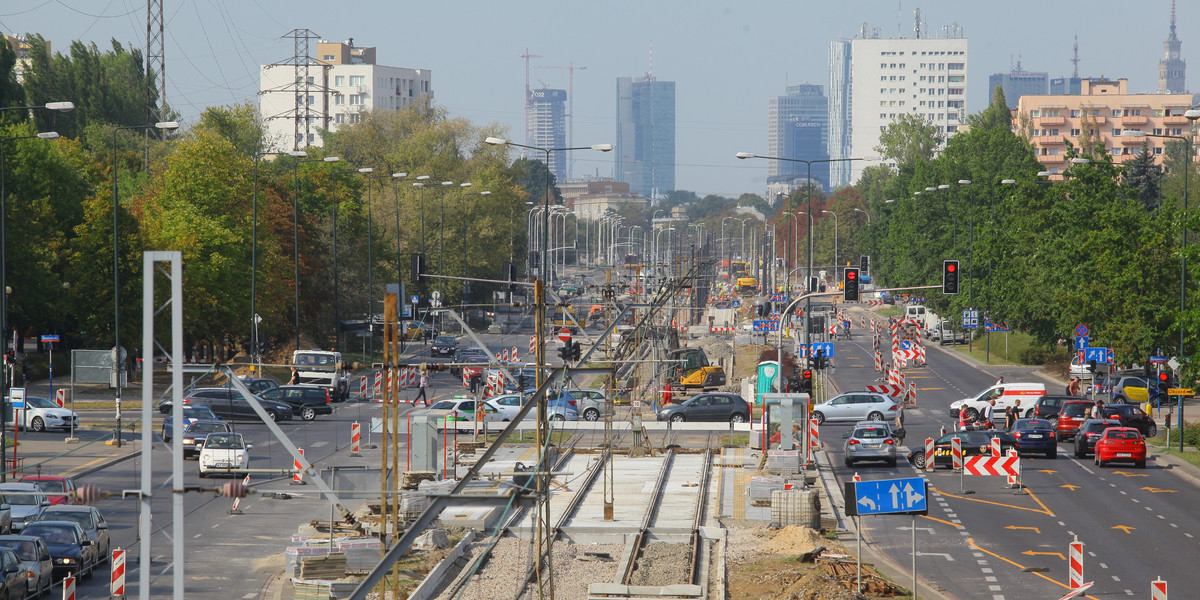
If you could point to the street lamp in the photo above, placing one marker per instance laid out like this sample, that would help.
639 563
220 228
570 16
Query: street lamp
296 234
866 213
45 135
337 296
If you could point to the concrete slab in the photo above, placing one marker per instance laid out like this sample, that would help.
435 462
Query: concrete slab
633 484
680 493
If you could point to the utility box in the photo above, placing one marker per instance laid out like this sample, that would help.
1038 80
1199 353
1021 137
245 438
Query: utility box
423 444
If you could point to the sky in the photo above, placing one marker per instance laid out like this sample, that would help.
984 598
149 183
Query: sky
726 58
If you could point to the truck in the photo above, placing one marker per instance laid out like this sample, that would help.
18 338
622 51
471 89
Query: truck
325 369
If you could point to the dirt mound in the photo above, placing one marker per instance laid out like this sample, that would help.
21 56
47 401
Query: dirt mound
794 539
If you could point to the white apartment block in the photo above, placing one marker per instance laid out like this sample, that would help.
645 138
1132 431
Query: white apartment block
926 77
343 83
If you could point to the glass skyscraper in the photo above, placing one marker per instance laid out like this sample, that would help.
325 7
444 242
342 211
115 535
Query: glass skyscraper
646 135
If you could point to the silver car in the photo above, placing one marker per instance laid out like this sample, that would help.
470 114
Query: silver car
35 558
870 441
855 407
25 501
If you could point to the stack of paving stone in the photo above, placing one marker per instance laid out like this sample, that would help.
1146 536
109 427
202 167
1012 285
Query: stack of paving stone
331 566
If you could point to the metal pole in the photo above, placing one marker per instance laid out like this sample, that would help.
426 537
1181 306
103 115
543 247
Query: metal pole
1187 166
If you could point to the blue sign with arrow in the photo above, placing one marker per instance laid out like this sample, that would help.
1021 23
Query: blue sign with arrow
887 497
824 347
764 325
1097 354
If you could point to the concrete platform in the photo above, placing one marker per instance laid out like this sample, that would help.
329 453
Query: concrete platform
677 511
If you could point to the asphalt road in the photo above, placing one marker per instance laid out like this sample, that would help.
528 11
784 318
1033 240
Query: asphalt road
995 543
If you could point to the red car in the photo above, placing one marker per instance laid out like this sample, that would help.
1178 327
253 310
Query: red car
1071 415
1121 444
58 489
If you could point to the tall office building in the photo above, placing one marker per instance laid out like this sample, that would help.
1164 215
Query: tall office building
1018 83
874 81
344 82
798 127
646 135
1171 69
548 126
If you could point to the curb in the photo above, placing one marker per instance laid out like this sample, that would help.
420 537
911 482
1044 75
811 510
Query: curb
108 463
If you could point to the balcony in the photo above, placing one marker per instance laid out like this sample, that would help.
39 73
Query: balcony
1131 140
1175 120
1138 120
1051 121
1052 159
1096 119
1048 140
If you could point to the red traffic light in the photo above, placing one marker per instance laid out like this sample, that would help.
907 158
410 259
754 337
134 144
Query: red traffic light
851 274
807 374
1162 377
951 267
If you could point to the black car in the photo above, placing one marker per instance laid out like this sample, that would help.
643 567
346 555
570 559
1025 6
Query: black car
1131 416
1035 436
974 443
1089 432
257 384
70 549
463 355
228 404
708 407
1047 407
13 576
90 519
307 401
443 345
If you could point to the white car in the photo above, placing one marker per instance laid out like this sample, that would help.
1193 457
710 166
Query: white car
460 411
25 501
1080 368
41 414
223 451
855 407
507 406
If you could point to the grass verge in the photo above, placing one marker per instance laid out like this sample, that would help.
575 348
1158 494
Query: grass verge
1004 348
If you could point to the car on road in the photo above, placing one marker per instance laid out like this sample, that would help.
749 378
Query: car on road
460 411
1005 395
70 549
1131 416
227 404
557 409
307 401
463 355
257 384
59 489
591 403
1079 368
1088 433
855 407
1133 390
194 435
41 414
974 443
1071 415
1121 444
1035 436
1047 407
443 345
35 560
222 452
713 406
14 578
90 519
869 441
191 414
25 501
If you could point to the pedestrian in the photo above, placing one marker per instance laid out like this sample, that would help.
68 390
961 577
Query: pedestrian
1010 418
1000 381
295 378
1073 387
1097 410
900 423
667 394
963 421
989 414
421 389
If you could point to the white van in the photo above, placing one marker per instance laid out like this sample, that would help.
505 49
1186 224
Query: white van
923 316
1006 395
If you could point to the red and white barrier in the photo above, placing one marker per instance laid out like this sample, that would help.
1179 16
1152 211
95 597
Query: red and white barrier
533 344
362 385
118 573
377 394
894 391
995 446
355 438
69 587
1075 564
956 453
993 465
1012 478
60 397
513 355
237 500
1158 589
814 439
296 477
929 451
878 362
856 477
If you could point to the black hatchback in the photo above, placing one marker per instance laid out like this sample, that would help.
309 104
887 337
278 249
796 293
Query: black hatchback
443 345
1047 407
1089 432
307 401
1131 416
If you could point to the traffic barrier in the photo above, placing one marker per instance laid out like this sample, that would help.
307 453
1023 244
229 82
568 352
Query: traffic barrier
814 439
856 477
995 446
355 438
117 587
69 587
878 362
993 465
513 355
533 344
891 390
60 397
377 393
1012 478
929 454
912 394
1158 589
956 453
296 477
237 498
387 390
362 386
1075 564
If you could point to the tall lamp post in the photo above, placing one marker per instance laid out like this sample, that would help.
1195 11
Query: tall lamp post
118 359
337 296
296 234
45 135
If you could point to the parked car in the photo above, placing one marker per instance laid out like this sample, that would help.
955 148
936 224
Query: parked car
974 443
1035 436
307 401
227 404
1047 407
869 442
591 403
90 519
1088 433
715 406
191 414
14 578
222 452
1131 416
557 409
257 384
443 345
58 488
1071 415
1133 390
855 407
461 412
70 549
1079 368
1121 444
35 560
194 435
25 501
41 414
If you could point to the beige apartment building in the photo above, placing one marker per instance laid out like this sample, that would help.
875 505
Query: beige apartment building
1101 114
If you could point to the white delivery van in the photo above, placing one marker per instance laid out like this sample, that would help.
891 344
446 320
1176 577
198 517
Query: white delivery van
923 316
1006 395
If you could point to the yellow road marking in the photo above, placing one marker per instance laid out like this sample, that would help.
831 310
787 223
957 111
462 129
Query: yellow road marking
941 521
1128 474
1032 553
1154 490
1125 528
1039 531
971 541
1047 471
1044 510
84 466
1070 487
1039 501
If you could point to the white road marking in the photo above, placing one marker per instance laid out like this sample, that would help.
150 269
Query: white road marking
197 535
1102 565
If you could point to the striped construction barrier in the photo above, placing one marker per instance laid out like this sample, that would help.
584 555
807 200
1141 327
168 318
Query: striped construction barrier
296 477
533 344
237 500
117 578
355 438
362 385
377 392
891 390
69 587
1075 564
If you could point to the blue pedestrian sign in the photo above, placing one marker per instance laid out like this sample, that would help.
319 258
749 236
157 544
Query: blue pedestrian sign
736 304
1081 342
887 497
970 319
823 347
415 299
764 325
1097 354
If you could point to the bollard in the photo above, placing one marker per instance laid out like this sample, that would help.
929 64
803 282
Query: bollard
355 439
296 478
1158 589
929 454
118 573
69 587
1075 564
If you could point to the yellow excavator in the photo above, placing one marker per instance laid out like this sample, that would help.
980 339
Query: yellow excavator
691 369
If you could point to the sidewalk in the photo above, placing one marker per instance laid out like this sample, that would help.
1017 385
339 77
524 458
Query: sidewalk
48 453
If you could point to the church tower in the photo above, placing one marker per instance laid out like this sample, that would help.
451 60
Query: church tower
1171 68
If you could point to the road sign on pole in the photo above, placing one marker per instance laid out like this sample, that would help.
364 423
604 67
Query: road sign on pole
1081 342
564 334
1096 354
1081 330
887 497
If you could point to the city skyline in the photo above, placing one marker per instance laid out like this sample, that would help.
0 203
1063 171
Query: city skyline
727 59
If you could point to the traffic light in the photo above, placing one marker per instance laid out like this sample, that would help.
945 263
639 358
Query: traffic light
766 309
949 276
850 289
576 351
1163 385
565 352
418 267
864 263
819 360
806 381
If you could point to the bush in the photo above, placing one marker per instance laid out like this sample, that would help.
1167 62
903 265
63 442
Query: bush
1191 434
1033 355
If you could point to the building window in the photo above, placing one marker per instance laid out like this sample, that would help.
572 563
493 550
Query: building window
339 80
312 138
1053 151
883 77
1116 112
956 66
312 100
1158 151
338 118
1157 131
1133 112
1075 132
328 57
1075 114
1116 132
357 80
951 128
1158 112
339 100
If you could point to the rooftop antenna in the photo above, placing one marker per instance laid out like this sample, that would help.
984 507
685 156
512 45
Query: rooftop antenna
917 23
1075 60
651 74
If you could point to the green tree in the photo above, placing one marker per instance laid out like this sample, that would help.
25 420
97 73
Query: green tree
909 140
1145 177
11 92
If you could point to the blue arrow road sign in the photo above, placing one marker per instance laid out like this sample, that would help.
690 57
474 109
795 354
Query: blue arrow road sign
763 325
887 497
1081 342
1096 354
826 347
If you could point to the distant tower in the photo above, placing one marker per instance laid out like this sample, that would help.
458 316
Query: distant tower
1171 68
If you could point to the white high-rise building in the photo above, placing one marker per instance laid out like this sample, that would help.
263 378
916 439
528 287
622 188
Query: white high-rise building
874 81
340 85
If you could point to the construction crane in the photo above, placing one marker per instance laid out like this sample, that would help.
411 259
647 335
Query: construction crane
571 68
526 55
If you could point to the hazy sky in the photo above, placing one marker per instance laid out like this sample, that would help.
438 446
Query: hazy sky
726 57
